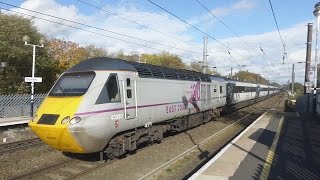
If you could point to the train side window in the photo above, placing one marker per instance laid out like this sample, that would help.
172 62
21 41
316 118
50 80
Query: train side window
110 91
220 89
128 82
129 93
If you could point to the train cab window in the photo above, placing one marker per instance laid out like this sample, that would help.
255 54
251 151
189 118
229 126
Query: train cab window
110 92
220 89
128 82
72 84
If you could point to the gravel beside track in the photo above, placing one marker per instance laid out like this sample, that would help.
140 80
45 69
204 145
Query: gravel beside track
22 161
9 147
133 166
15 133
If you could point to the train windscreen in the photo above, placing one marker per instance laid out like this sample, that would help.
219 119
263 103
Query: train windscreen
72 84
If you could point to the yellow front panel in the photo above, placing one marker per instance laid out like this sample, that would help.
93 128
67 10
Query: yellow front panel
58 135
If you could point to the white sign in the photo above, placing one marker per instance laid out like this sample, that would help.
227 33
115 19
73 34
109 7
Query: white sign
309 89
308 84
32 79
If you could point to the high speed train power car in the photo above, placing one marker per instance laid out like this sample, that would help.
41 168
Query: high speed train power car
112 106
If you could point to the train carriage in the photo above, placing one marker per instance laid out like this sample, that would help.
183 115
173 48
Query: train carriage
112 106
100 98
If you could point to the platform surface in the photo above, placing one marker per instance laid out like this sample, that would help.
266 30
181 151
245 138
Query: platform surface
14 120
276 146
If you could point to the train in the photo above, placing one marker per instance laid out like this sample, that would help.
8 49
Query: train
113 106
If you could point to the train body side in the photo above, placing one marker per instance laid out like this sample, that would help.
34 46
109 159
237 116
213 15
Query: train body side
141 102
100 98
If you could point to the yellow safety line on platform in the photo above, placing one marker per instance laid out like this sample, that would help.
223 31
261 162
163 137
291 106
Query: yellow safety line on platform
267 165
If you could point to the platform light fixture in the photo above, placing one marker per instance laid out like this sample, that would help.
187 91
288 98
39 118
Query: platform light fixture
316 13
26 40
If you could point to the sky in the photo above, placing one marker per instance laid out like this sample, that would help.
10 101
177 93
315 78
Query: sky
242 34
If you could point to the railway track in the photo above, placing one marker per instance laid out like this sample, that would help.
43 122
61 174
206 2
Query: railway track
12 146
79 166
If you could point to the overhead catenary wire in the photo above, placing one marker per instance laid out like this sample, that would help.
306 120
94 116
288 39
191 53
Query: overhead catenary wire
223 23
267 58
184 21
137 23
276 22
89 31
101 29
233 58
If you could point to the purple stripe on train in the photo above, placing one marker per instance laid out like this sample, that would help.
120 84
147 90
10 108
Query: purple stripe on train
133 107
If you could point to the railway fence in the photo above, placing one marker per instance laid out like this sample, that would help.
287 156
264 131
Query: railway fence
18 105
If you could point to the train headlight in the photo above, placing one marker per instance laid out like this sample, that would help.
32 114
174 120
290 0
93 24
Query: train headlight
34 118
65 120
75 120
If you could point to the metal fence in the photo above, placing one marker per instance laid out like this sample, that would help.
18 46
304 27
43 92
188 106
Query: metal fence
15 105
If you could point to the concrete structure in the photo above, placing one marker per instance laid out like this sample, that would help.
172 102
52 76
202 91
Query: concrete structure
275 146
14 121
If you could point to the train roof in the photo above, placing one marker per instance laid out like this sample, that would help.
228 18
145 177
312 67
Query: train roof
144 70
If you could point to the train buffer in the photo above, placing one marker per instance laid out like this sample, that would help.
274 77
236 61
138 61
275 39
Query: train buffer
7 121
275 146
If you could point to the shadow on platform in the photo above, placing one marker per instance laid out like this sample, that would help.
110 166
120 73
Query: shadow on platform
297 154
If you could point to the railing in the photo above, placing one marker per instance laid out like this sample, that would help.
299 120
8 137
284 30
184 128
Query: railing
16 105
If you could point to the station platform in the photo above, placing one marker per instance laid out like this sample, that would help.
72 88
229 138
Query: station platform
14 120
275 146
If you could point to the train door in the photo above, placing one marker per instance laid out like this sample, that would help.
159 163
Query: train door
230 93
129 86
257 92
220 93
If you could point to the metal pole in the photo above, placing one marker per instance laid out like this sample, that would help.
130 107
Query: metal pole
316 13
308 55
204 63
316 56
32 83
231 73
292 82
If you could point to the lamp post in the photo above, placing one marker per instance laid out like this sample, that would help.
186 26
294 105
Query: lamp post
316 13
26 40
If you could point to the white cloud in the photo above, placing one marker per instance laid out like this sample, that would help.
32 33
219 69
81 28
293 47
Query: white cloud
223 11
248 46
250 54
241 5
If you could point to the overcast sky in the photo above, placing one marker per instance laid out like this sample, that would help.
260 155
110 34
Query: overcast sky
237 33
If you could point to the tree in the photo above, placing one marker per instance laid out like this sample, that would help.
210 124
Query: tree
18 56
65 53
275 84
250 77
298 88
164 59
93 51
195 66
